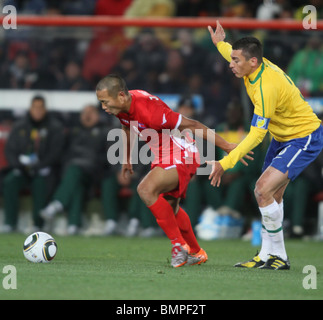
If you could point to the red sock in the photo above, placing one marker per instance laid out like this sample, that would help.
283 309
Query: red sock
185 226
165 218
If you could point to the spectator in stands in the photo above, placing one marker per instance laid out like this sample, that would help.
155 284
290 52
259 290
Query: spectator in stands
269 10
306 67
20 74
84 163
72 79
78 7
318 4
106 42
234 8
194 56
148 55
151 9
111 7
33 150
28 6
127 69
114 186
196 8
172 79
6 123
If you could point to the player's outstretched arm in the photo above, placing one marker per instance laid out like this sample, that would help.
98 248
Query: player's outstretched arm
217 35
202 131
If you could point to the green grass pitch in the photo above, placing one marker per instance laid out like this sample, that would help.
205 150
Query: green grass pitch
116 268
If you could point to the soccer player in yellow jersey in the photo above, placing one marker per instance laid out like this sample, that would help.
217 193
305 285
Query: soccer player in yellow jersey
279 108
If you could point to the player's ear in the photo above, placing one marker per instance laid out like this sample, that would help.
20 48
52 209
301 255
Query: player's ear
121 96
253 61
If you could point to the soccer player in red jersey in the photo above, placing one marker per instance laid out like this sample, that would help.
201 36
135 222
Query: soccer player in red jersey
176 159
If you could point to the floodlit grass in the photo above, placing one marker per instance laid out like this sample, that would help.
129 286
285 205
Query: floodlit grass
117 268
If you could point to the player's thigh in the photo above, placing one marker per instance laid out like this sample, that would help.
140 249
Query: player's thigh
159 180
270 182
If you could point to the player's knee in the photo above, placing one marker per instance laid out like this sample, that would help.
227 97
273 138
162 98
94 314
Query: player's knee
140 190
260 190
146 193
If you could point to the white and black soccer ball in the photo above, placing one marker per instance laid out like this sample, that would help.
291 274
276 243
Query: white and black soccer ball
40 247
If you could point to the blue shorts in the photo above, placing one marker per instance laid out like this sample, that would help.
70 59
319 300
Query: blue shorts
294 155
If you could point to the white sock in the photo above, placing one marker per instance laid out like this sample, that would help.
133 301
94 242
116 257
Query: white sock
271 218
265 245
281 207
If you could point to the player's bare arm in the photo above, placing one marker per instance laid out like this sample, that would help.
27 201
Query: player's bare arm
217 35
126 168
202 131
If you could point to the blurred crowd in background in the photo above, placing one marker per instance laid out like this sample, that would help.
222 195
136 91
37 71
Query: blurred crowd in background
160 61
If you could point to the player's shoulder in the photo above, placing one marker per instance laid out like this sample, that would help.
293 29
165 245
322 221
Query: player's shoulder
271 76
272 70
140 94
147 100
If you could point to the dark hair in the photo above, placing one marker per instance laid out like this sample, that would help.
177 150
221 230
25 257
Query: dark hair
250 46
39 97
113 83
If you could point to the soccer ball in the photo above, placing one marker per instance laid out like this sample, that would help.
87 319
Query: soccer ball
40 247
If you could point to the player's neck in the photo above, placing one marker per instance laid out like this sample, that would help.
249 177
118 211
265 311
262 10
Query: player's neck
128 103
254 72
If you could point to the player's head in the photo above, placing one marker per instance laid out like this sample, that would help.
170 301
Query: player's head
246 56
113 94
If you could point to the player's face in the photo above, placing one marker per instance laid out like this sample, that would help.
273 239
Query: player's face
239 65
110 104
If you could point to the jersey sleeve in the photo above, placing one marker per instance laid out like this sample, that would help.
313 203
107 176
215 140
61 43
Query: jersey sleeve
162 117
225 49
254 137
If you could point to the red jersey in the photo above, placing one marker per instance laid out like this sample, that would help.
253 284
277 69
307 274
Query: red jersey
156 123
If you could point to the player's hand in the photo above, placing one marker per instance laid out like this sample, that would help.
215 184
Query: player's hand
216 174
126 170
217 35
247 156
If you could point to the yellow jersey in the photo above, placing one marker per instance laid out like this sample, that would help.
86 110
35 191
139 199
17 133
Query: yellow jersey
279 108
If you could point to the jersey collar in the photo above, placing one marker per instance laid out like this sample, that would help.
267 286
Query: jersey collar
253 78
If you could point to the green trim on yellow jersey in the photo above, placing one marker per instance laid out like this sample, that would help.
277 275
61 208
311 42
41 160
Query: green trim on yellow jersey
262 99
258 75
